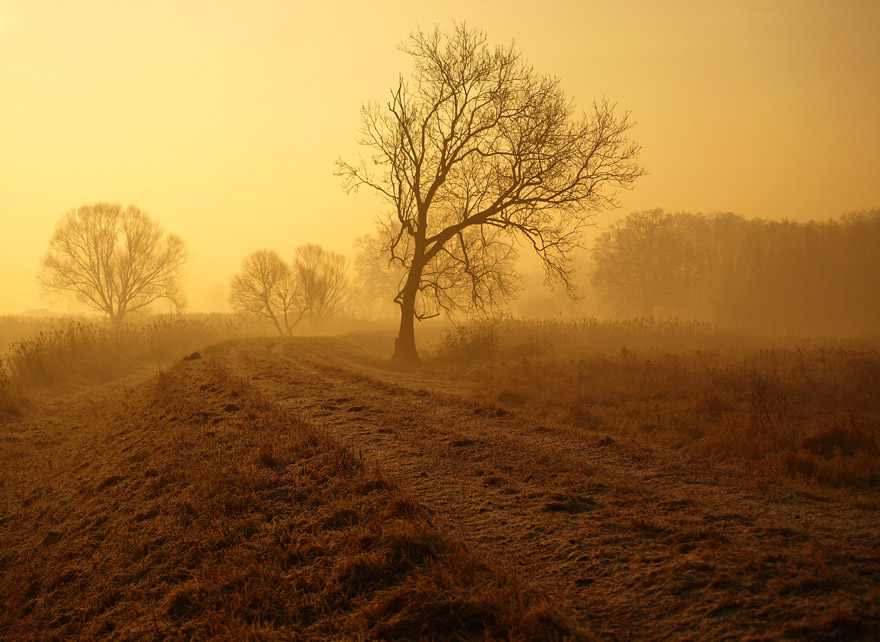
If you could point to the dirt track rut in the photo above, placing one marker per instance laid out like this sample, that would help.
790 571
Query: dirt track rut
631 541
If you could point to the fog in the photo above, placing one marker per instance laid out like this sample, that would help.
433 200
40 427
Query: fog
439 320
223 123
816 275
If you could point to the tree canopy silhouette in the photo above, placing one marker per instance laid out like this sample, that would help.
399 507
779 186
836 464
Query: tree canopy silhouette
816 274
648 259
267 287
314 286
322 277
113 260
475 150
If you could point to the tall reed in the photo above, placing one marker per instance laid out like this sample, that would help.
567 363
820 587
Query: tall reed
84 350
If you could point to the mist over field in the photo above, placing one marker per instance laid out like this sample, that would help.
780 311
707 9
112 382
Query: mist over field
445 322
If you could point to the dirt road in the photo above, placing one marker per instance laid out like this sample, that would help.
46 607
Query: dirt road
634 542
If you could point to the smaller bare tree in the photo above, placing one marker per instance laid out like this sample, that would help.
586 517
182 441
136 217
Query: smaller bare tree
268 287
322 277
113 260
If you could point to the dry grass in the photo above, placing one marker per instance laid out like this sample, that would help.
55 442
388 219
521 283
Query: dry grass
636 541
195 508
771 403
100 351
14 328
51 351
12 401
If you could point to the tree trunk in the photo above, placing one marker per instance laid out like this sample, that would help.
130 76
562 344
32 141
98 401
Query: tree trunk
275 321
405 343
115 316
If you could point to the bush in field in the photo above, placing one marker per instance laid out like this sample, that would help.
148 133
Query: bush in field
14 328
465 344
11 399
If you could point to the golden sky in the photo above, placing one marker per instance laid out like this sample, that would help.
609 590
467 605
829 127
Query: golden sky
223 119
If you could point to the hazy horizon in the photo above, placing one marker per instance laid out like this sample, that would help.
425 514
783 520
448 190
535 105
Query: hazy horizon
223 122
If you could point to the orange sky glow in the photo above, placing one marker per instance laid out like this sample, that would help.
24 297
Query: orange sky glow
222 120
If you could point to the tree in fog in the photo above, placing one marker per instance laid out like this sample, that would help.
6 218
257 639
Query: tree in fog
646 260
313 287
809 274
472 152
725 267
322 278
376 278
113 260
267 287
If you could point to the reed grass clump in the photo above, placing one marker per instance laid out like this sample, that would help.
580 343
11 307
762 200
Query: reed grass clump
11 399
73 349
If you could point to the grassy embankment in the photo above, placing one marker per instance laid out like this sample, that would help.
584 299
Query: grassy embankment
770 402
44 352
194 508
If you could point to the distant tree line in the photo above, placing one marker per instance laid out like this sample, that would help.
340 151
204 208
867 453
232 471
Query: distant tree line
723 266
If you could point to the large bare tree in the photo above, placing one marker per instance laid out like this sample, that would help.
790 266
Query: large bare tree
476 150
114 260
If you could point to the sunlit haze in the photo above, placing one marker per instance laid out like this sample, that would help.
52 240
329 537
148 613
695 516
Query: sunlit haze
223 120
472 320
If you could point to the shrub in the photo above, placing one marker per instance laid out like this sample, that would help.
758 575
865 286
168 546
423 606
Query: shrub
11 399
467 344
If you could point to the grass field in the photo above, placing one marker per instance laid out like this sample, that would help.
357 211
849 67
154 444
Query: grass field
530 481
772 402
194 508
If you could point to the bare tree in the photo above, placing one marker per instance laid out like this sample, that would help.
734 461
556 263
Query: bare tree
322 277
475 150
268 287
313 287
113 260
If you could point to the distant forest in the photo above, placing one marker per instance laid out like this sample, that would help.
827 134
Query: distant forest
822 275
